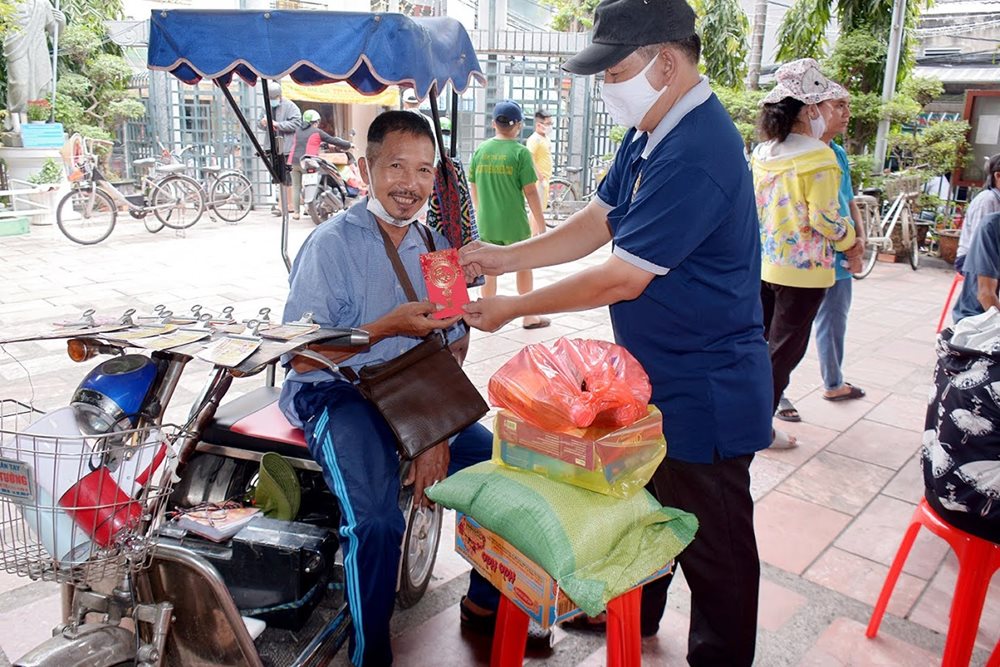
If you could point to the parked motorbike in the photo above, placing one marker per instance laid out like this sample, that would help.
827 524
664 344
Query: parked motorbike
107 469
325 190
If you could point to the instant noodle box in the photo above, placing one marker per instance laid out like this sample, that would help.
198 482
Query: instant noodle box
616 462
515 575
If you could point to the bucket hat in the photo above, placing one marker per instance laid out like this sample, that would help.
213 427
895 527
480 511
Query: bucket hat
622 26
801 80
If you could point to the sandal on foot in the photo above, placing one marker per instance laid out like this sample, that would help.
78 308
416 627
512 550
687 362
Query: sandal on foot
485 624
540 324
853 393
584 623
781 440
787 412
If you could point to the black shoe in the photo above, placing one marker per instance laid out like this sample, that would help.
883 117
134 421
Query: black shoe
485 625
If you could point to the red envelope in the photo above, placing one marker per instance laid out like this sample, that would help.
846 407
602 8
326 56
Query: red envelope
445 282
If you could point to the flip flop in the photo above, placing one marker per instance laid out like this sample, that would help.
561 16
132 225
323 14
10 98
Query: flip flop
855 392
781 440
787 412
540 324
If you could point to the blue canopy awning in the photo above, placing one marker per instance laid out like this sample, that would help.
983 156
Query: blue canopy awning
369 51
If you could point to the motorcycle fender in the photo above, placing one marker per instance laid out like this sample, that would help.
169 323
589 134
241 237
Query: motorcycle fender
93 645
308 193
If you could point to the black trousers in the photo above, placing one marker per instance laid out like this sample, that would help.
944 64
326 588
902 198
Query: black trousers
788 317
721 566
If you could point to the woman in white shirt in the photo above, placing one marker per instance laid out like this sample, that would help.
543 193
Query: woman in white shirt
982 205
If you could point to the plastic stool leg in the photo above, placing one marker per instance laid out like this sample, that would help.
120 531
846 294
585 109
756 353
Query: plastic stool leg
624 643
510 636
995 658
893 576
967 606
956 281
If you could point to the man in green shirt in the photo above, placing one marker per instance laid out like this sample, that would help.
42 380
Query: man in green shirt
501 178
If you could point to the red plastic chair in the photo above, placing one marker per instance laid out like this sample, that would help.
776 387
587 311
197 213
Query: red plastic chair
978 559
624 643
947 302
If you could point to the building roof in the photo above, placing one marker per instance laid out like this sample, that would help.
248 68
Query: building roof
984 74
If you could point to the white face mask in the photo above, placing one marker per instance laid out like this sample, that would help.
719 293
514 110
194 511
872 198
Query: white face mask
629 101
375 207
817 125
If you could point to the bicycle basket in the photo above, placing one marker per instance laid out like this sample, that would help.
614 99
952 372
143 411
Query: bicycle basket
78 508
903 183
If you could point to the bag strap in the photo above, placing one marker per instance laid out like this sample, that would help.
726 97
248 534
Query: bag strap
397 264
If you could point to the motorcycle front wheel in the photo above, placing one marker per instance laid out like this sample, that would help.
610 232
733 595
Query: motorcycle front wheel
420 546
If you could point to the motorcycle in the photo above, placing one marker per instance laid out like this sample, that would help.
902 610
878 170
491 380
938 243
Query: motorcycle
325 191
107 471
137 589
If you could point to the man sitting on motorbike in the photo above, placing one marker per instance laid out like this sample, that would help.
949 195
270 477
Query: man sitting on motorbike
344 278
307 141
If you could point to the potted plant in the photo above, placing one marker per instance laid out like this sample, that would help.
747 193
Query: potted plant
39 111
49 180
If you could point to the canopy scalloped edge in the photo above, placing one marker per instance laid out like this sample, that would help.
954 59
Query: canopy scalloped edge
434 51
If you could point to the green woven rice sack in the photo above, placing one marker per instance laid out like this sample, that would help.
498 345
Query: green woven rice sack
596 547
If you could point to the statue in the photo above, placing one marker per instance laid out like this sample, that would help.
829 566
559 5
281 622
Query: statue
29 60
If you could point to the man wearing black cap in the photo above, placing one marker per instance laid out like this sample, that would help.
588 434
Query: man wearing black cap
683 286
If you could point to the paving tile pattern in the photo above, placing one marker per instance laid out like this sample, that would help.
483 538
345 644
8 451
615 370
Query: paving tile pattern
829 514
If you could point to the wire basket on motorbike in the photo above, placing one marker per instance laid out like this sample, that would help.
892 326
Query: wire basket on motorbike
78 506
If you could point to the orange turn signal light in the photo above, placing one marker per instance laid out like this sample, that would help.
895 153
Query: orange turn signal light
78 350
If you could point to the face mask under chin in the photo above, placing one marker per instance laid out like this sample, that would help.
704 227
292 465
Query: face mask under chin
376 208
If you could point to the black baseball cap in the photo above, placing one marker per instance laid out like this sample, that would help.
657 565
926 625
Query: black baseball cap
622 26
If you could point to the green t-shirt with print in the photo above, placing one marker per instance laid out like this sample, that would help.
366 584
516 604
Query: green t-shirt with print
500 169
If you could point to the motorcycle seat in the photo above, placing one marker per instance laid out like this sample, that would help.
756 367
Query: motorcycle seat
253 422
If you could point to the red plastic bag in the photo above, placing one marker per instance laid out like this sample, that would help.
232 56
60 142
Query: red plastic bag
573 384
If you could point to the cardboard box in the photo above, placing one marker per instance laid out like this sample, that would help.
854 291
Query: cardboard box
515 575
42 135
14 226
615 462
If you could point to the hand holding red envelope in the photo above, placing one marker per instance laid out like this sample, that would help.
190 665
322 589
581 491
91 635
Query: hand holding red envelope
445 282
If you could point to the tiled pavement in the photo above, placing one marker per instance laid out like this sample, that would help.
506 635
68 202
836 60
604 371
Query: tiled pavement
829 514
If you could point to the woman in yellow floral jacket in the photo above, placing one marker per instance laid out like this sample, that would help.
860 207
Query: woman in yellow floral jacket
796 177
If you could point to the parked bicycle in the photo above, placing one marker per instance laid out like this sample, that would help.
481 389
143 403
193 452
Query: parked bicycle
564 199
88 213
880 222
228 193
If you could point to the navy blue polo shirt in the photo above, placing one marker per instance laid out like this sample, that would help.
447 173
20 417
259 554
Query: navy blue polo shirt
983 259
697 328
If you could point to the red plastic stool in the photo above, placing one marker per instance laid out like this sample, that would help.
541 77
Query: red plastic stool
978 559
624 643
947 302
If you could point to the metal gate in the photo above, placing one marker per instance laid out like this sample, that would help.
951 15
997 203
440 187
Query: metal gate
199 121
526 67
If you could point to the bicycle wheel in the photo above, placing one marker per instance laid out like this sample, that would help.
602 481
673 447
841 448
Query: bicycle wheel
910 239
231 196
178 201
152 226
561 192
873 229
86 216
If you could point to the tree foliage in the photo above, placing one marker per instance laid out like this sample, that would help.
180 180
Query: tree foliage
744 106
723 27
573 15
802 33
92 90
